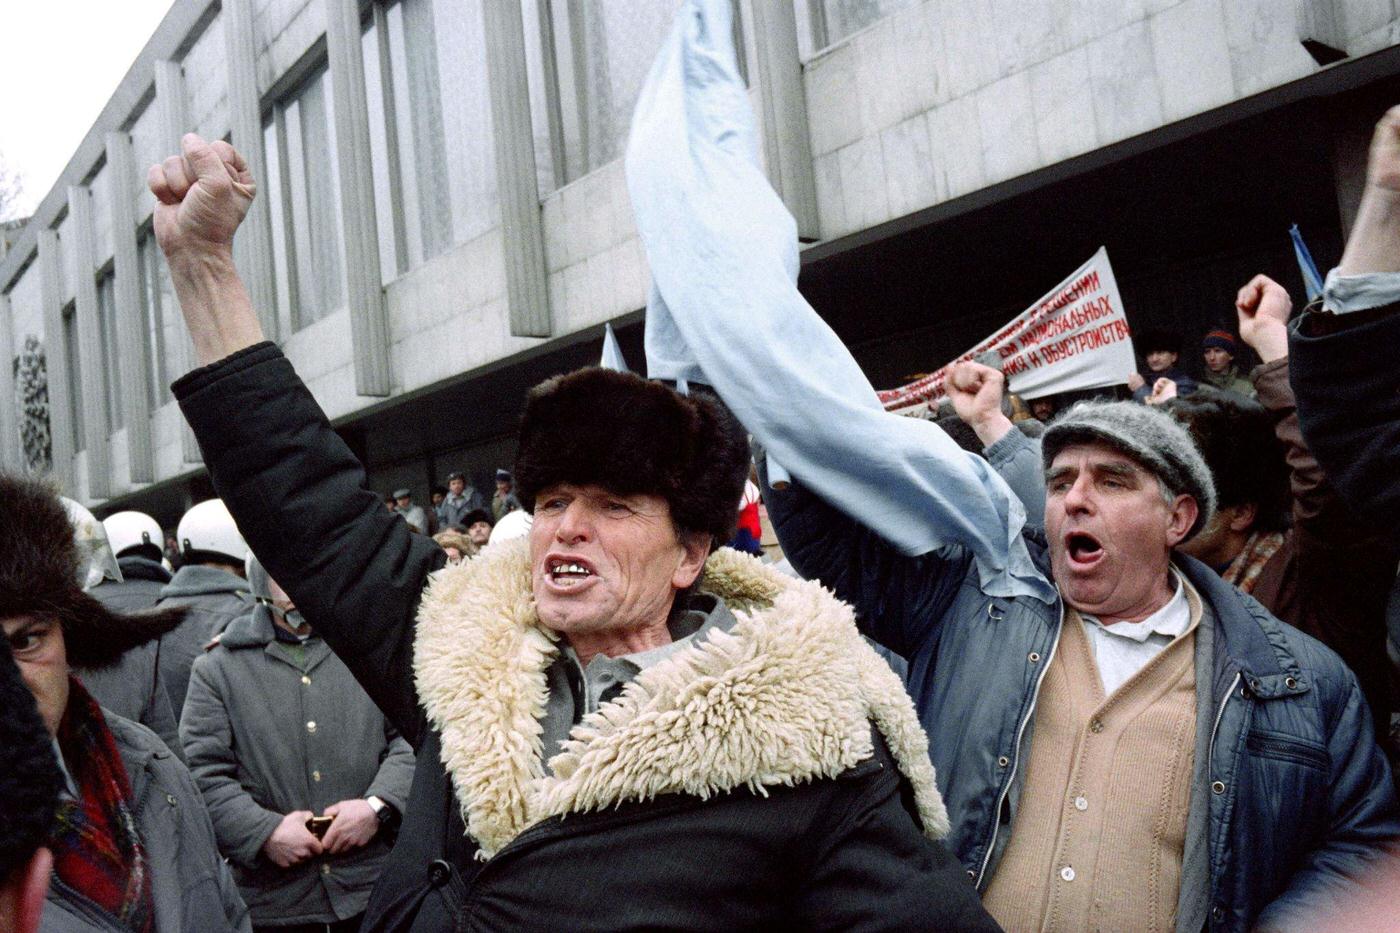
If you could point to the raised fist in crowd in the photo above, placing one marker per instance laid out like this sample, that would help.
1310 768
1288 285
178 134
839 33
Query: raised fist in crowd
1263 307
976 392
202 195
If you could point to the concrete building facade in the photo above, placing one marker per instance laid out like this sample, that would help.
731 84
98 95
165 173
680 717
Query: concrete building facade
443 221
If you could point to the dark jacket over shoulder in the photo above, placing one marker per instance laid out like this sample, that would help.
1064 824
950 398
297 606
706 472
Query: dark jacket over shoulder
636 826
1333 575
1347 383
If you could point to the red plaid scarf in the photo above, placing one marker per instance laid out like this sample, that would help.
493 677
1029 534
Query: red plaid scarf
97 850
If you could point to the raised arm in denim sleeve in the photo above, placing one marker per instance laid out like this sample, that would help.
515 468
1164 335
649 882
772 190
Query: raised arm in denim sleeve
725 310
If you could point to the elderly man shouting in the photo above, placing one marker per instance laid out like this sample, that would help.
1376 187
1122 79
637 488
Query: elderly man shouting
617 727
1124 741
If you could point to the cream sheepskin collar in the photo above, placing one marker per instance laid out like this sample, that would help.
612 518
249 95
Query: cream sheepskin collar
786 696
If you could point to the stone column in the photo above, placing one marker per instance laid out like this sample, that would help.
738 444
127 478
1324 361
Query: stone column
11 453
786 140
56 360
95 427
170 99
131 322
522 229
253 244
364 290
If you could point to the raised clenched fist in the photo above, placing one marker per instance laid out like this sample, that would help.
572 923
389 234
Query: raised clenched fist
202 196
1263 307
1383 164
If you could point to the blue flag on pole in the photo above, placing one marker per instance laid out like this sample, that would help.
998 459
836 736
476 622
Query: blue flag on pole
612 353
1311 280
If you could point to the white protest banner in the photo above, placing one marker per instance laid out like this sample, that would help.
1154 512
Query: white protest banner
1076 337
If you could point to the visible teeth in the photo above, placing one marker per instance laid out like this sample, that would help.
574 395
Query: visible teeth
569 568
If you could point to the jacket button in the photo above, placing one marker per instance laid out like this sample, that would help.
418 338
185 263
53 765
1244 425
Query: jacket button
971 873
326 868
316 776
1218 787
1033 657
1290 682
1217 914
1003 761
311 726
1067 873
306 680
1096 725
170 799
438 873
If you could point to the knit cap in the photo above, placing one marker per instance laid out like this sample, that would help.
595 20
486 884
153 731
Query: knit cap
1150 436
1220 340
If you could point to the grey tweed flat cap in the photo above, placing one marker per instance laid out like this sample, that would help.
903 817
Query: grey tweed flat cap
1150 436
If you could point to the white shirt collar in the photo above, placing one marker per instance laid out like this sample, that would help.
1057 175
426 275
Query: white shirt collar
1170 621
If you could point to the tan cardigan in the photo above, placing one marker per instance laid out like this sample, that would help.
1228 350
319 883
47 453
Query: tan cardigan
1097 839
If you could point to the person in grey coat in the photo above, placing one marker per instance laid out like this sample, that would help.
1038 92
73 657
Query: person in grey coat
133 687
191 886
131 842
460 500
277 730
211 588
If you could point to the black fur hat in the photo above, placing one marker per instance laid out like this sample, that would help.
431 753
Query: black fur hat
619 431
39 564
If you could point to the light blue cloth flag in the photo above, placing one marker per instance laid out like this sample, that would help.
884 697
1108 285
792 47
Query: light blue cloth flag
612 353
1312 281
724 310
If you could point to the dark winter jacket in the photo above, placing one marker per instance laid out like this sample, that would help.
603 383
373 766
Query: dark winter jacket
214 598
133 687
1333 575
1291 796
675 808
1344 375
270 728
190 884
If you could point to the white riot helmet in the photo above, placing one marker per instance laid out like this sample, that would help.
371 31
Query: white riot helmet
96 561
511 526
207 533
127 530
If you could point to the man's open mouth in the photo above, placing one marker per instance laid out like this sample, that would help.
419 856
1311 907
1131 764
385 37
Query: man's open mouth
568 572
1084 550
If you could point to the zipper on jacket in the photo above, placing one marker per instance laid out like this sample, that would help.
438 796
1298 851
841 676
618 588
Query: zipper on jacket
1219 715
1016 751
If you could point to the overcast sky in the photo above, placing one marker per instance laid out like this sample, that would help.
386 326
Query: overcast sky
60 61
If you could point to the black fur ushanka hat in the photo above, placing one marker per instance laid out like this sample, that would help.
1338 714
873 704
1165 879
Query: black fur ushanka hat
39 563
613 429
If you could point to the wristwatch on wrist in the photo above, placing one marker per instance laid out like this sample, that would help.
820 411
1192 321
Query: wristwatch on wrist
382 811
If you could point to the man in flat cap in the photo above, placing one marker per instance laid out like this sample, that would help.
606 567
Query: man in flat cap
1125 741
618 726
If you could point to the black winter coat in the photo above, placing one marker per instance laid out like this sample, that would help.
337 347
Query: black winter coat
838 848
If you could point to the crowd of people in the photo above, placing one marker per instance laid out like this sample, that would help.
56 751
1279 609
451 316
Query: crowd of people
1122 664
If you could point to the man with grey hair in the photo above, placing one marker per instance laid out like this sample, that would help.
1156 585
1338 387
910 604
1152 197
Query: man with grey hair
1123 740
